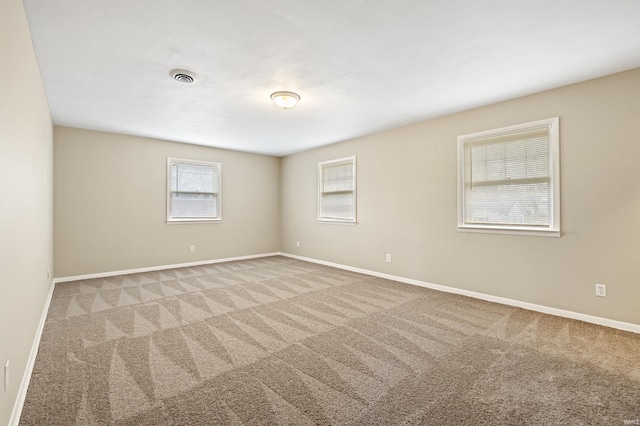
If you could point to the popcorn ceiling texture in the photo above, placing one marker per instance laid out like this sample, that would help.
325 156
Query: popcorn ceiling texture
280 341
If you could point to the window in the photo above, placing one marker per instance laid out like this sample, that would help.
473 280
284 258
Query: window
509 180
337 190
193 190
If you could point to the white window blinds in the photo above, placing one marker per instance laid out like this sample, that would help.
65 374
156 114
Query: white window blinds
508 178
194 190
337 190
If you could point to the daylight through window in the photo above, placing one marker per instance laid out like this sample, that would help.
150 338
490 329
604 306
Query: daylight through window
337 190
509 179
193 190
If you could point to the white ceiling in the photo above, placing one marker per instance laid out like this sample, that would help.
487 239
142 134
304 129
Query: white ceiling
360 66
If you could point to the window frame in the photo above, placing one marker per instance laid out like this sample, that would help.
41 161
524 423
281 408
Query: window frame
333 220
553 229
217 169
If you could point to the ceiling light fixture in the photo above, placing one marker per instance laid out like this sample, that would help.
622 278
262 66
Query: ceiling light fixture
285 99
184 76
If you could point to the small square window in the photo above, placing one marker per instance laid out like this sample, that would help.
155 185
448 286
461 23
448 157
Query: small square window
193 190
509 180
337 190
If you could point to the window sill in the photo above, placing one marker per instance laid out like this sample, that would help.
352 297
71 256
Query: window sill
184 221
555 233
336 222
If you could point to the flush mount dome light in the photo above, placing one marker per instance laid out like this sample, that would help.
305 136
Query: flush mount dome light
184 76
285 99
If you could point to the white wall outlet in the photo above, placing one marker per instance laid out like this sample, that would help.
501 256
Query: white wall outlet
601 290
48 273
297 243
192 248
6 375
388 258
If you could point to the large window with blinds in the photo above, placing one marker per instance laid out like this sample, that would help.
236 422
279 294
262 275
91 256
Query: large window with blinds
509 180
337 190
193 190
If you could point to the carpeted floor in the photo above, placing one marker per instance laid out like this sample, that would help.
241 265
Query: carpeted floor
277 341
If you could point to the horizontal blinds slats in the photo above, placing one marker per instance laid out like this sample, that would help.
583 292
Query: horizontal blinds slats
508 179
194 190
338 206
337 177
337 191
194 178
194 205
508 204
517 159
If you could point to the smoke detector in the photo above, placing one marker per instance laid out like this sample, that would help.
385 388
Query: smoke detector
184 76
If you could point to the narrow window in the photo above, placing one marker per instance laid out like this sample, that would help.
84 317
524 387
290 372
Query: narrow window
509 179
337 190
193 190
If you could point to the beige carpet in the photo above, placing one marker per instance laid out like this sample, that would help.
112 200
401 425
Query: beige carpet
276 341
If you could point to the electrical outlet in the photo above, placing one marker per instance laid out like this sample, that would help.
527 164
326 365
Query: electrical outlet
6 375
297 243
388 258
48 273
601 290
192 248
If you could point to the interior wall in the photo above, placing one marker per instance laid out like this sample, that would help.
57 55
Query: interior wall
110 204
407 204
26 198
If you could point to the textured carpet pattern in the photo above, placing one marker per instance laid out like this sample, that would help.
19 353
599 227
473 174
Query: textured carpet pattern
276 341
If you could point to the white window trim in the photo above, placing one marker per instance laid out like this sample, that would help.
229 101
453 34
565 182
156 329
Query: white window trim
338 221
218 167
553 230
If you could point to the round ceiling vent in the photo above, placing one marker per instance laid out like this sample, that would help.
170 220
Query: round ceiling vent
184 76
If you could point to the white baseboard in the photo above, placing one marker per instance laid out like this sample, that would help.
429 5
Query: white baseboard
635 328
160 268
28 371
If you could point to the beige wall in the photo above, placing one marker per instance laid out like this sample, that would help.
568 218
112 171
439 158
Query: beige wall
26 198
407 204
110 204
